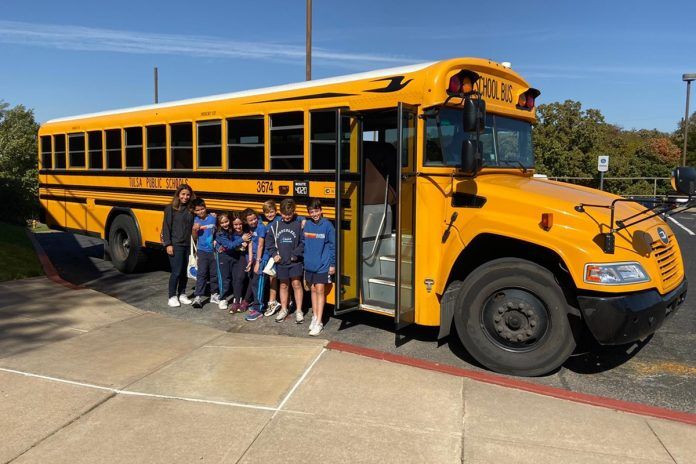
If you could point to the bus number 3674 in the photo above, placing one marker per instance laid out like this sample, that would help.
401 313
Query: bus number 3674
264 186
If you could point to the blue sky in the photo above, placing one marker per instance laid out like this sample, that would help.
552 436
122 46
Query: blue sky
624 58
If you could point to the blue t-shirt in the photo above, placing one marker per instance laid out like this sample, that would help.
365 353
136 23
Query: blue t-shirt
206 233
256 234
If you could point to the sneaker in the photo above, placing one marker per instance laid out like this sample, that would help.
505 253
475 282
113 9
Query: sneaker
222 304
235 307
281 315
313 322
197 302
173 302
183 299
316 330
243 306
299 317
215 298
253 315
273 306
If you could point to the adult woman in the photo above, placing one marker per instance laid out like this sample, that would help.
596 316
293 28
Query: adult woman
176 238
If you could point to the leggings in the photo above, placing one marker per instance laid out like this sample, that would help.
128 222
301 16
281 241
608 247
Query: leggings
234 276
178 263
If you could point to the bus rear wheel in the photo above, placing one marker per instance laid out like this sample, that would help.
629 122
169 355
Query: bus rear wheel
512 317
124 245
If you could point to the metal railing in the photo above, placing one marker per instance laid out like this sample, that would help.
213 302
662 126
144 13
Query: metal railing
594 182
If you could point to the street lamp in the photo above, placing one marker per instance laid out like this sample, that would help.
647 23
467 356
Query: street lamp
687 78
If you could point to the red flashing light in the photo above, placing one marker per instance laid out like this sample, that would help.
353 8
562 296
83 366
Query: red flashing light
455 84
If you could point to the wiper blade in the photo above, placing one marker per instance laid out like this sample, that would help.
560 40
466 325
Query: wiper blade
517 162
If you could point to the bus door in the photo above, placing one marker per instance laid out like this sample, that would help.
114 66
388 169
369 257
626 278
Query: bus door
405 216
348 217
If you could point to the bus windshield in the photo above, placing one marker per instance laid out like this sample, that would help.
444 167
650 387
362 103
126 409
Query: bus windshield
506 142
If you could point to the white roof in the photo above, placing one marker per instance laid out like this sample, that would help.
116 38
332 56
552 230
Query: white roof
247 93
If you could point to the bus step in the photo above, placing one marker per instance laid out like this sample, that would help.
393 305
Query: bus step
381 307
387 264
384 289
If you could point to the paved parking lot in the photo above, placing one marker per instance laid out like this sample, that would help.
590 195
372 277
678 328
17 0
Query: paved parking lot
661 372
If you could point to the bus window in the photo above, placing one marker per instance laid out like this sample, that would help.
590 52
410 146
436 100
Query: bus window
113 149
514 142
322 140
46 152
245 142
94 146
209 144
76 149
134 147
59 141
157 147
287 141
444 137
182 145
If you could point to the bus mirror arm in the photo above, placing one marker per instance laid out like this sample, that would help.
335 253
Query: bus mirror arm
446 234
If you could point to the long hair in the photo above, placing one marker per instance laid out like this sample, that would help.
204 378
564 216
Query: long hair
220 230
176 203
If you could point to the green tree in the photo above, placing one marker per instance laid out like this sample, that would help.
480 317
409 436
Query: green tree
18 162
678 138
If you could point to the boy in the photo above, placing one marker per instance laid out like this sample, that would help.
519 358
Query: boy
271 216
204 232
286 247
257 261
319 261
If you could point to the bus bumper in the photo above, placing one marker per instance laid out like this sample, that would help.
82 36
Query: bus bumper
615 320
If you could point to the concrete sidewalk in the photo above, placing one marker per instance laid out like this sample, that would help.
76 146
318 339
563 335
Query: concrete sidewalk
87 378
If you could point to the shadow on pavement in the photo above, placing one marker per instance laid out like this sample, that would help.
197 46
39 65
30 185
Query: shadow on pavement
597 358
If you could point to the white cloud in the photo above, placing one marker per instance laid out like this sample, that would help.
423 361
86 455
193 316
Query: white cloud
67 37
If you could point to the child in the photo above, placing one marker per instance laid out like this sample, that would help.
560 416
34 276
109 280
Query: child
319 261
272 218
203 233
286 247
232 244
176 238
258 257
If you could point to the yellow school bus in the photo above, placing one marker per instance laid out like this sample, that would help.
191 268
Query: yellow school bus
426 171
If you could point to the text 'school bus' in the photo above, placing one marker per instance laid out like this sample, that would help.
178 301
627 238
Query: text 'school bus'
427 173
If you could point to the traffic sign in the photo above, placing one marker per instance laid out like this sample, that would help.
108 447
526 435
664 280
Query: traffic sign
603 163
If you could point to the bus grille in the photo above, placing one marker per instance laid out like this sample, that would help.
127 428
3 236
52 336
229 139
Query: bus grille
669 263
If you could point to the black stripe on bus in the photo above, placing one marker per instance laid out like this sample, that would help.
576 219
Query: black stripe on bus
68 199
306 97
252 197
260 175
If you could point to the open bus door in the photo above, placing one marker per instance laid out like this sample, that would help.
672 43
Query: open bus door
405 218
348 220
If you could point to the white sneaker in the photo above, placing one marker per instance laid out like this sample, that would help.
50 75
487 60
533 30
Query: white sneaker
222 304
173 302
183 299
215 298
313 322
197 302
316 330
299 317
273 306
281 315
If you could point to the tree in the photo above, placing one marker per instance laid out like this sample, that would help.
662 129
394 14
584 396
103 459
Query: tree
18 162
678 139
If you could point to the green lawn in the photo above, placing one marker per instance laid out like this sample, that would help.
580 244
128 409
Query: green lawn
17 257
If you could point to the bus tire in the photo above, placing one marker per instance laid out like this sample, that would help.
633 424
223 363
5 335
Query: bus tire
124 245
511 315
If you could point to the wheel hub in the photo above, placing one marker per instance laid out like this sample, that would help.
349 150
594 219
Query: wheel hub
515 319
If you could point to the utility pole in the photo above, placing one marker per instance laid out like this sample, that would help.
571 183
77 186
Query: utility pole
156 86
687 78
308 73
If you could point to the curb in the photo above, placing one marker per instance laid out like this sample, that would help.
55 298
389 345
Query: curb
48 267
499 380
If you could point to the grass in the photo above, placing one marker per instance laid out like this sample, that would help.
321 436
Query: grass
17 257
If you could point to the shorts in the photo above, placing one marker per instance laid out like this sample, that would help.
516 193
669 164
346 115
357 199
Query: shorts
289 271
317 277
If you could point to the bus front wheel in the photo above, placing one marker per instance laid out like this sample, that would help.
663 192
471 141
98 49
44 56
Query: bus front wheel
124 245
511 317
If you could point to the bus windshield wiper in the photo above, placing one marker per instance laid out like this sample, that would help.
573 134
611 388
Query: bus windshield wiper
517 162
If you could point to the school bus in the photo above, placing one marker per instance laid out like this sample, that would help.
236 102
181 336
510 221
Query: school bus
426 171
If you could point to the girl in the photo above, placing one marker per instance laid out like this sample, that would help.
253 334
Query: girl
233 244
176 238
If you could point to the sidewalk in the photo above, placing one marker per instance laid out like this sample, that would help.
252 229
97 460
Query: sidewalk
87 378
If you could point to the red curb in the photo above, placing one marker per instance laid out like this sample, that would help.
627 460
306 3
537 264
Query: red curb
48 267
494 379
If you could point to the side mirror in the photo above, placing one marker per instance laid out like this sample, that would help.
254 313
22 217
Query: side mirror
684 180
473 115
471 157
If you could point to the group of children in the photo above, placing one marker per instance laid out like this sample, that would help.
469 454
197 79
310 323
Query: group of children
233 250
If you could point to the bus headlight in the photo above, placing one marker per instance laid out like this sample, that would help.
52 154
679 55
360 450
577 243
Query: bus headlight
615 273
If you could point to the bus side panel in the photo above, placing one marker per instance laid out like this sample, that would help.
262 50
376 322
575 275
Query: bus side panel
75 213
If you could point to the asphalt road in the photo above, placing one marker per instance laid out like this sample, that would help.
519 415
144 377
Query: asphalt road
660 372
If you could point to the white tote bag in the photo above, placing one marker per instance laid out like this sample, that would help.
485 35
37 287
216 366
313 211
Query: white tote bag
191 268
269 269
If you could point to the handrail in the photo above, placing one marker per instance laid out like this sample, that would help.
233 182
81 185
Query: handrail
378 238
